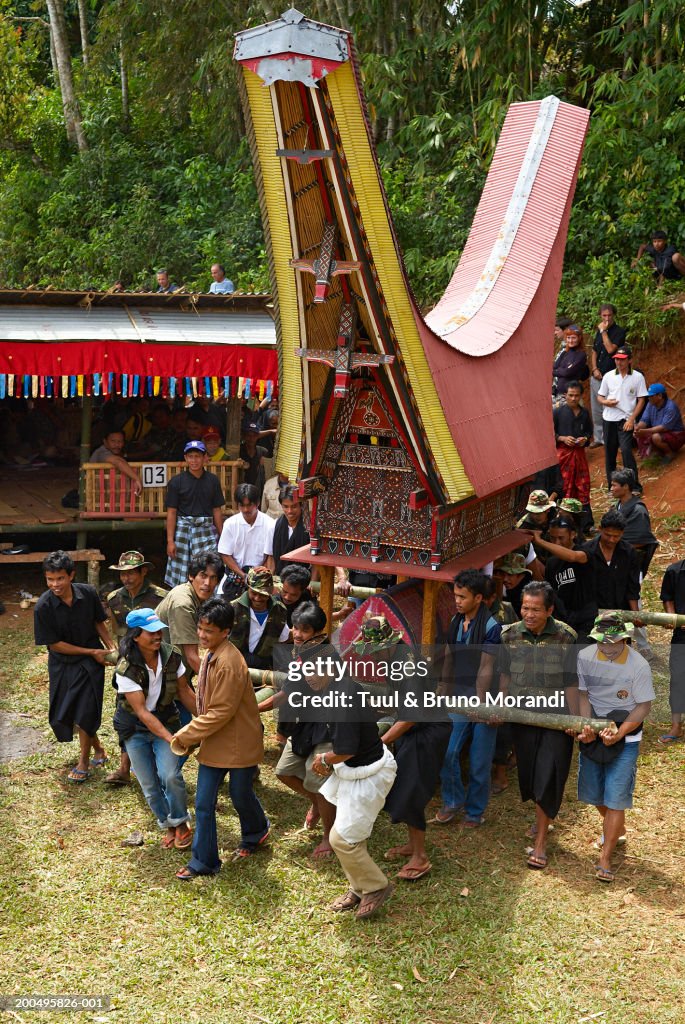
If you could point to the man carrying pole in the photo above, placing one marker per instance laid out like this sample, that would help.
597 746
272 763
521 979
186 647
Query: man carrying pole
539 659
616 682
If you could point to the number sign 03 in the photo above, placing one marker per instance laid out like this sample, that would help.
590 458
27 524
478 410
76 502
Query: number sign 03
155 475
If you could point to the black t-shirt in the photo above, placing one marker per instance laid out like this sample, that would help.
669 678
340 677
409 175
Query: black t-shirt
663 261
56 622
617 336
567 424
673 589
355 730
194 496
617 583
574 584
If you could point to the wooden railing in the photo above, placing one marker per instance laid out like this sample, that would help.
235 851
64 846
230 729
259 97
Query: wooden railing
110 495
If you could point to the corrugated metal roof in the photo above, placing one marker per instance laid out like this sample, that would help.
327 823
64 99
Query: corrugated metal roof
36 323
499 408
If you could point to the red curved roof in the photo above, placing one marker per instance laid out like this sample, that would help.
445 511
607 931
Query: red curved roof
493 373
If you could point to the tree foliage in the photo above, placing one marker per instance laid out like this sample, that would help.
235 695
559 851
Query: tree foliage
167 179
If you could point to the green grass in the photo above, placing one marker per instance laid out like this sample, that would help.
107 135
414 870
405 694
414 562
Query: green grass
257 943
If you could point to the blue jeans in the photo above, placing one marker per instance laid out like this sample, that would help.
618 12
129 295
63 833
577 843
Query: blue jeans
159 773
483 739
254 823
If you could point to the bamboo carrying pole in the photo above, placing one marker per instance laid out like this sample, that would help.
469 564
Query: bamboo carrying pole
668 620
270 681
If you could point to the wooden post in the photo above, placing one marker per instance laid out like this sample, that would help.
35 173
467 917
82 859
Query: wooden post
234 409
429 624
327 577
84 456
84 451
94 572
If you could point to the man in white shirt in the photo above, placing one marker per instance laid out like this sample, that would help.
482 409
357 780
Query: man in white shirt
623 393
246 540
220 285
614 682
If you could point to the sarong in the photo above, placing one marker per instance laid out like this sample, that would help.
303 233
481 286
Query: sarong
359 795
543 761
575 473
194 536
419 754
76 692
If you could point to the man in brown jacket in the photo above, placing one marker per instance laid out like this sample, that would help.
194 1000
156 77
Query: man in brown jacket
229 732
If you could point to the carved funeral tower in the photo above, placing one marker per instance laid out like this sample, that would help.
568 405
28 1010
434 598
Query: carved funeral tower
415 437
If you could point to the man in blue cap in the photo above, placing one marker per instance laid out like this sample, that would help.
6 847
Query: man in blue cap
661 427
194 519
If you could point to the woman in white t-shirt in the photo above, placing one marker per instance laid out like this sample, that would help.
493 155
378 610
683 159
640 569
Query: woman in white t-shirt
149 677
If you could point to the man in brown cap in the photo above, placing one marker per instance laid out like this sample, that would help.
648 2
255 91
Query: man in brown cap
136 591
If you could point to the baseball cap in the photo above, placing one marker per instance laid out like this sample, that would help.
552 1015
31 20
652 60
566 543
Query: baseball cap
144 618
251 428
624 352
211 432
656 389
195 446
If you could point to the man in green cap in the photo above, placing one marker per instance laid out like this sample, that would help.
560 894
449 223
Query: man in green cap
136 591
516 574
540 511
614 682
260 620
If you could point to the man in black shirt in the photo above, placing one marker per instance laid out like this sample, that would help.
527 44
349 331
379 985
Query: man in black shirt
572 431
574 601
608 340
290 533
194 501
363 772
673 597
666 260
70 621
615 573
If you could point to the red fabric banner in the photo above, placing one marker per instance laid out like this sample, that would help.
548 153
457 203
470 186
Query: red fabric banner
58 359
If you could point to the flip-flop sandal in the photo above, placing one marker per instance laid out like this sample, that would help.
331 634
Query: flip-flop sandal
249 851
98 762
446 815
537 861
668 739
413 874
373 901
604 874
116 780
498 788
78 775
312 819
322 854
184 841
347 902
168 842
187 874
